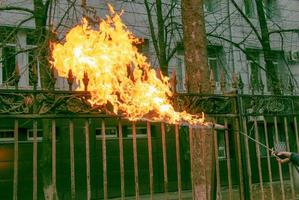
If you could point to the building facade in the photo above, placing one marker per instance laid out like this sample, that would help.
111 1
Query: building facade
233 38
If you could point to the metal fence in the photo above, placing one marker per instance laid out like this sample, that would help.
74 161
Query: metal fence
53 143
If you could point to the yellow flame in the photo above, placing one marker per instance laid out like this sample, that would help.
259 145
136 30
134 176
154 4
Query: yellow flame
117 72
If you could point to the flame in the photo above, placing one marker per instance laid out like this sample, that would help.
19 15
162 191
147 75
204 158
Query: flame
117 72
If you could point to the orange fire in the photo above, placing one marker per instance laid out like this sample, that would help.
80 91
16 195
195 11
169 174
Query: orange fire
117 72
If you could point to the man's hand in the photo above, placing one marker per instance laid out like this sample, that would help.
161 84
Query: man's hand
283 156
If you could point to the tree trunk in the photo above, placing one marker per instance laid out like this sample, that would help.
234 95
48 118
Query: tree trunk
271 71
43 37
50 191
42 53
197 73
197 79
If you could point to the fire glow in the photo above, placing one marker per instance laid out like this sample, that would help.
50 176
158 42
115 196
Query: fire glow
118 73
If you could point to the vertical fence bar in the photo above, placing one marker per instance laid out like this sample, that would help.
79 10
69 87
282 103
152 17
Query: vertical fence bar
164 160
87 154
16 160
268 160
191 161
228 161
218 196
296 133
288 149
135 161
178 161
239 159
53 130
121 160
258 157
34 197
105 181
279 165
150 158
72 160
247 158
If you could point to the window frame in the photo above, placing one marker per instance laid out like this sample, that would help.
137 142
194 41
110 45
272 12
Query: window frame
7 139
130 132
100 136
2 81
30 138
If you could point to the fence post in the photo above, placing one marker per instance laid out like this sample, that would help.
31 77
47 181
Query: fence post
240 150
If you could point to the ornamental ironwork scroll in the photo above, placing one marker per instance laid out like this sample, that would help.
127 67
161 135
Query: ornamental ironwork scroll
206 104
43 103
258 105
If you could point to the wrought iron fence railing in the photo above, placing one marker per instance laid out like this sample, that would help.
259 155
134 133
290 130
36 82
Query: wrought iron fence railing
55 143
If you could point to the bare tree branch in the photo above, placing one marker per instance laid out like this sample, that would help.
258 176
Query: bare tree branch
295 30
170 10
247 20
173 51
152 27
17 9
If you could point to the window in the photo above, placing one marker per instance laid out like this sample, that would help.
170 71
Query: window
8 64
249 8
32 63
221 146
141 131
6 135
110 132
278 60
30 135
216 61
253 60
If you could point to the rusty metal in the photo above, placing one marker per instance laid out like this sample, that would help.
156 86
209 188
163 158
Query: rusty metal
85 81
34 195
72 160
258 155
87 157
164 160
279 165
239 159
191 161
121 160
288 149
136 178
16 159
228 161
150 159
178 161
104 155
53 130
218 185
18 105
247 158
268 161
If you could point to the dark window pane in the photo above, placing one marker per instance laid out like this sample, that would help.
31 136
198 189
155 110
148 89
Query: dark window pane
9 64
109 132
32 62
